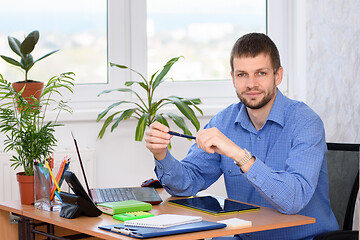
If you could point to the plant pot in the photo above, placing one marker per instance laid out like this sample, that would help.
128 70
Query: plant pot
32 88
26 187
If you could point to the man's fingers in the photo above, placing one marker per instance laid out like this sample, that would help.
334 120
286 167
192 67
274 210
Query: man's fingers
157 140
209 140
154 133
156 146
159 126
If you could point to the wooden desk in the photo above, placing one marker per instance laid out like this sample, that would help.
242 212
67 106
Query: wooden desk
264 219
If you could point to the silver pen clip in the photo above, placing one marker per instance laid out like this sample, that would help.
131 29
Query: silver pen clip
125 231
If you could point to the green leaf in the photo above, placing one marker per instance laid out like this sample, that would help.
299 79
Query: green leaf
124 90
106 124
130 83
118 65
28 45
102 114
125 115
28 63
194 102
125 67
35 34
186 110
152 76
179 121
14 44
160 118
12 61
164 71
140 128
118 90
46 55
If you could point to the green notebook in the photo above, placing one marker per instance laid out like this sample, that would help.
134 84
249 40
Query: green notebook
124 206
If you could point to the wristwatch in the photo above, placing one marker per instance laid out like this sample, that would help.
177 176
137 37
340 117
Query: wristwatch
245 159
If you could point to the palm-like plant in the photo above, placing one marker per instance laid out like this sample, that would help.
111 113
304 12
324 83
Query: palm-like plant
23 121
146 111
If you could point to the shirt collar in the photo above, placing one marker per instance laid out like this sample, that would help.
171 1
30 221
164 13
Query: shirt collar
276 114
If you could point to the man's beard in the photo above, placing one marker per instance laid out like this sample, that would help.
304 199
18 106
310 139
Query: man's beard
257 105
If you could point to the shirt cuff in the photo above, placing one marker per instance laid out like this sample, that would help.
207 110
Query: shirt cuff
165 165
257 174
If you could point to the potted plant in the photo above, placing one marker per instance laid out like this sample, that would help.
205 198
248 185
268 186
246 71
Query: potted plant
26 130
23 50
147 111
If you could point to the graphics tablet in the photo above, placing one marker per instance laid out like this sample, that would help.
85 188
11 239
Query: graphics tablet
214 205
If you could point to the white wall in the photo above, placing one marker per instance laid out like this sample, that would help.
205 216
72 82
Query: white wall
333 60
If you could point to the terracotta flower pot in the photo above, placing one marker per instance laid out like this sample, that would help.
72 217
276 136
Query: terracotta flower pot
33 88
26 187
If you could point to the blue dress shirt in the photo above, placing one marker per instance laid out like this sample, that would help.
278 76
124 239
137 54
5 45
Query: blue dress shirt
289 173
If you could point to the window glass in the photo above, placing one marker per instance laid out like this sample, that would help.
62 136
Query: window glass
203 31
78 28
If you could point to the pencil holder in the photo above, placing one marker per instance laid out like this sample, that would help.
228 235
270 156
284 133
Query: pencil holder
44 198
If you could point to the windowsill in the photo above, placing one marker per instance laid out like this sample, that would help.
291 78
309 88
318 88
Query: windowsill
210 107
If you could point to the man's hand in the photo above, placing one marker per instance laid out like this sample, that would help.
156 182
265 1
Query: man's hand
157 139
212 140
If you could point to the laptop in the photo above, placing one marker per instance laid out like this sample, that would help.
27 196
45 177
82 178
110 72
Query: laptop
101 195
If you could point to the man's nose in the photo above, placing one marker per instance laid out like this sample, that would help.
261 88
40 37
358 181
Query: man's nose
251 82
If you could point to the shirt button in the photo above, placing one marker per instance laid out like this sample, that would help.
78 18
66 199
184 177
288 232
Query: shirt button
160 167
258 138
230 171
254 178
272 196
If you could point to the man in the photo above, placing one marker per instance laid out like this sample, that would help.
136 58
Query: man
271 149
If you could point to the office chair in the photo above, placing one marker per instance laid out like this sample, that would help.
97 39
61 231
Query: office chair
343 172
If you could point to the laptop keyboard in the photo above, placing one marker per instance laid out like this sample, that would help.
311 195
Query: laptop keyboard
116 194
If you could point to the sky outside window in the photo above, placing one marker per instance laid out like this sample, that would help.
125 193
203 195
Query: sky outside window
203 31
77 28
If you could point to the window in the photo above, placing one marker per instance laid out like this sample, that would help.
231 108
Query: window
202 31
214 93
127 44
77 28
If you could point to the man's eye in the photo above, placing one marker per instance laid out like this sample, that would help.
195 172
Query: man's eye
241 75
261 73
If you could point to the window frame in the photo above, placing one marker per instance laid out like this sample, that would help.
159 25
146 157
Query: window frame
127 45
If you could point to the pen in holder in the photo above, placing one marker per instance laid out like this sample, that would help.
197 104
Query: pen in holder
43 190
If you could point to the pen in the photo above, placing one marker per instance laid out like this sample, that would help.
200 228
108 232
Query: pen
181 135
125 231
52 176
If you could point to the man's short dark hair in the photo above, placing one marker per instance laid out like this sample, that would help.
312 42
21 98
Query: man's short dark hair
251 45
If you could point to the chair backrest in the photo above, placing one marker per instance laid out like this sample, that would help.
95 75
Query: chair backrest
343 172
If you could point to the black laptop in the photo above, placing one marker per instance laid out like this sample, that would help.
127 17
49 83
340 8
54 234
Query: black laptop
100 195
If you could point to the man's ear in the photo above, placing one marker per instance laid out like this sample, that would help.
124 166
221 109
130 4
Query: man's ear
233 80
279 75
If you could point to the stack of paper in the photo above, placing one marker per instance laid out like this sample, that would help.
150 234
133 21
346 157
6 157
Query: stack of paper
163 221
